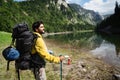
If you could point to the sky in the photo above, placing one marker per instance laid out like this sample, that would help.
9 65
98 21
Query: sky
100 6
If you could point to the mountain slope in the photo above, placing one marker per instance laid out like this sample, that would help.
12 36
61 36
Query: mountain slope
56 14
87 15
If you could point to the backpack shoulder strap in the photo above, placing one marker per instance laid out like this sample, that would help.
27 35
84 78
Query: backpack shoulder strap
35 38
12 42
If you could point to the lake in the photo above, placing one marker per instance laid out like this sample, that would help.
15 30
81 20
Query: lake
105 47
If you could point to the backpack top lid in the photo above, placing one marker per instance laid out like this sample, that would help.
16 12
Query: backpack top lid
18 29
10 53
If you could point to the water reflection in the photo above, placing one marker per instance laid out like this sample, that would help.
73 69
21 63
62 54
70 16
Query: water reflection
106 47
80 39
109 49
114 39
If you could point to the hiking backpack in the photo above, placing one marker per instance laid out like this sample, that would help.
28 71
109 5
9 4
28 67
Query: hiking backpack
20 50
24 40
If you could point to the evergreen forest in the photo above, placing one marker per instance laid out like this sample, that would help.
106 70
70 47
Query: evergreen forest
56 17
110 25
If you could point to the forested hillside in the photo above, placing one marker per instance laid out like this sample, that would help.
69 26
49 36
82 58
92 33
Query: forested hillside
56 15
110 25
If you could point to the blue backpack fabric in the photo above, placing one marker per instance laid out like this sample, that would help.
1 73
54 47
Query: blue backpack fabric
10 53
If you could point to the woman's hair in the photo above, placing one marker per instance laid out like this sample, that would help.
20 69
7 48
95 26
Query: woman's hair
36 24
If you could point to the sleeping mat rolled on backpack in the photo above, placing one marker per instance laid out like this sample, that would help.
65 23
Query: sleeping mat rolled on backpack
10 53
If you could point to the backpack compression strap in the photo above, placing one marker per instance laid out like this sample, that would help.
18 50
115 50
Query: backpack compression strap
8 62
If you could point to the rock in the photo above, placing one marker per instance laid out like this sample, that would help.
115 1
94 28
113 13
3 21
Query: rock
116 77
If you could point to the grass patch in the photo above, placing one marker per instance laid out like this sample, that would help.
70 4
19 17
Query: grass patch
5 39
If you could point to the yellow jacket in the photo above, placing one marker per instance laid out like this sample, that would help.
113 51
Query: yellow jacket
41 49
